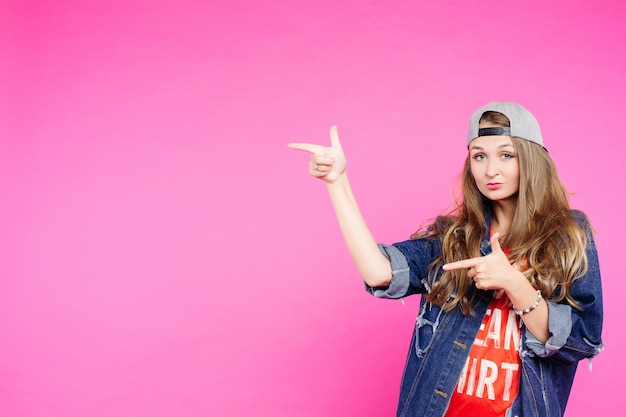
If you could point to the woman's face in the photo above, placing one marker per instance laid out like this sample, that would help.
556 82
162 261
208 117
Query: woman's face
495 167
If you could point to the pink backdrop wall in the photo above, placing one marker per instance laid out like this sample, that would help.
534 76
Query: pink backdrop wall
165 254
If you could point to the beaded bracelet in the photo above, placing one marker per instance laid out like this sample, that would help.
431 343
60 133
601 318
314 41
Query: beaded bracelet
531 308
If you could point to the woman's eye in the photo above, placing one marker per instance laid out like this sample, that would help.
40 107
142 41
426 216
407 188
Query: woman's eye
479 157
507 155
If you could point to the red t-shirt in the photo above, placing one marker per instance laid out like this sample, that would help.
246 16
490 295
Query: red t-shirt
489 381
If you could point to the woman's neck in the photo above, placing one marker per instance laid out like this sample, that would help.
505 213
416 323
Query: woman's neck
503 213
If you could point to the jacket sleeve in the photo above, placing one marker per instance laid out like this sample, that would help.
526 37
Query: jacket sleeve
575 334
399 285
410 264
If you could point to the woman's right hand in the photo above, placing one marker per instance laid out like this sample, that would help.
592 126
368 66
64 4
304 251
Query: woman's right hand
327 163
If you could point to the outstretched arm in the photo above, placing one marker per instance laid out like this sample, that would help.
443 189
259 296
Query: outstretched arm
329 165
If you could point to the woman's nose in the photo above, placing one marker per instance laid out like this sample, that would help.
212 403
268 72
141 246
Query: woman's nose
492 169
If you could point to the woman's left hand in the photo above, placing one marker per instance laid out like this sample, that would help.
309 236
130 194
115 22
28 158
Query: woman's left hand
489 272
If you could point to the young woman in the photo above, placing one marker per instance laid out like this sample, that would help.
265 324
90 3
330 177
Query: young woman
510 281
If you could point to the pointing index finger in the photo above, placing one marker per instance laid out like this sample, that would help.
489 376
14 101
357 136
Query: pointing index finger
307 147
466 263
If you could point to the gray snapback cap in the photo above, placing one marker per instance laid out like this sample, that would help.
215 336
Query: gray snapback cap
523 123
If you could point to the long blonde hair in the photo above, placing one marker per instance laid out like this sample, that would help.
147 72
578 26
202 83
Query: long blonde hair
544 237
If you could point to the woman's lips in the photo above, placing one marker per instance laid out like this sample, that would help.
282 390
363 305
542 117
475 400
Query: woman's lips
494 185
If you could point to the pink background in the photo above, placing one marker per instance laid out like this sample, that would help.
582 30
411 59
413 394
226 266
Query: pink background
165 254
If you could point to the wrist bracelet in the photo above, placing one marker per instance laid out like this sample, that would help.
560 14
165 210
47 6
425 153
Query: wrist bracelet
531 308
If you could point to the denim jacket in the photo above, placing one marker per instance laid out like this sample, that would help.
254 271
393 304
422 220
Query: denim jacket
441 341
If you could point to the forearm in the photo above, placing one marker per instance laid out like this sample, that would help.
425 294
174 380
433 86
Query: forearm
373 266
522 296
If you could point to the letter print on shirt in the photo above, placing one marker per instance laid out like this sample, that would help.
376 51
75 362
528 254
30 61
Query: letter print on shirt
489 381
